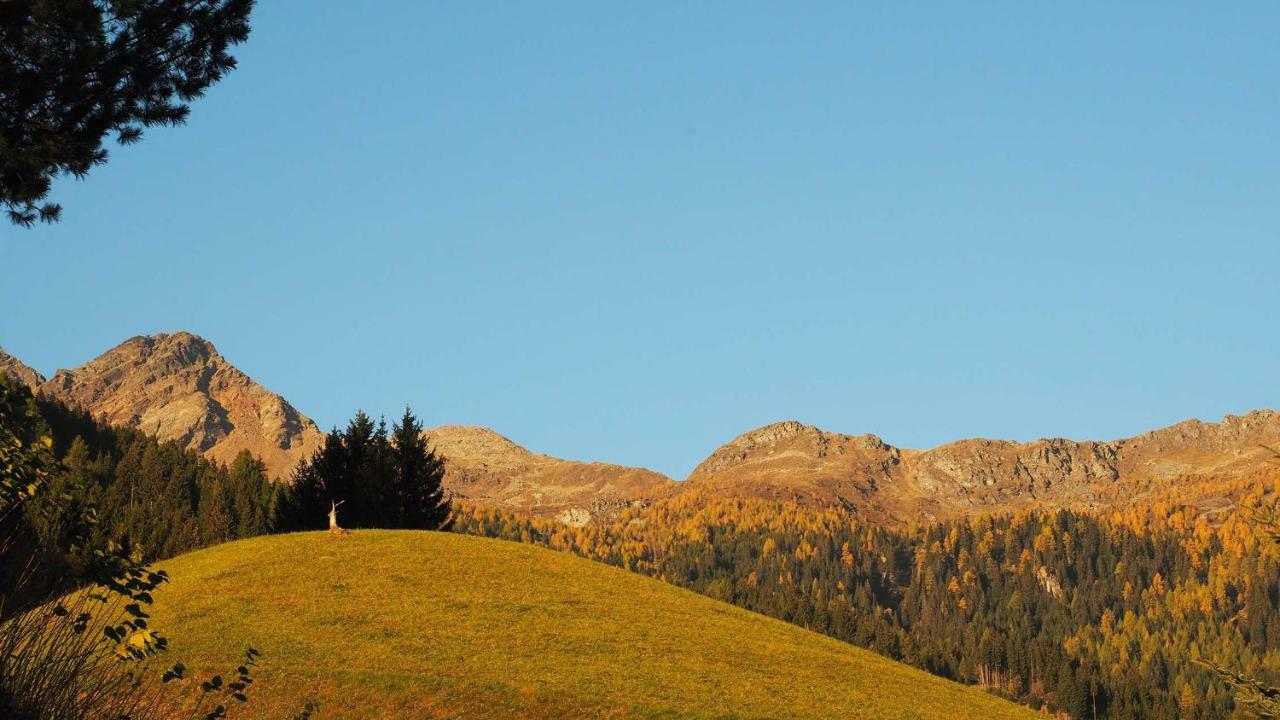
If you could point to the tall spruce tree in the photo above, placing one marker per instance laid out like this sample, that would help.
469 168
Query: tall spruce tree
73 72
419 495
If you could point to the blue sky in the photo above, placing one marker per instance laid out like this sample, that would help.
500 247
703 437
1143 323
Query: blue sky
630 231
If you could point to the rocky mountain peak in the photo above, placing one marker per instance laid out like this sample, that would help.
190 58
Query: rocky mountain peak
177 387
180 348
775 432
788 438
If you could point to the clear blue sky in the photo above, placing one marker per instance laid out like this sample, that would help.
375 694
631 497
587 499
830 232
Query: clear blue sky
630 231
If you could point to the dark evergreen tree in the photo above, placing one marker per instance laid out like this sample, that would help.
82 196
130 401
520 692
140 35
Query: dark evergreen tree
73 72
217 513
315 478
419 494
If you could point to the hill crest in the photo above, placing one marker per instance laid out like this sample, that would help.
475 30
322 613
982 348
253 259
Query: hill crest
449 625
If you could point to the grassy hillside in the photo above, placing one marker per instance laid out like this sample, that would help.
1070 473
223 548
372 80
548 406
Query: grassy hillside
420 624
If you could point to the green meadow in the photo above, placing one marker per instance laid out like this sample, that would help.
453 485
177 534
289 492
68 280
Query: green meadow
383 624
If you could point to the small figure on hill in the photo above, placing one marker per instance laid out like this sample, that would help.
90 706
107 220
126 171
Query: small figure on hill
333 519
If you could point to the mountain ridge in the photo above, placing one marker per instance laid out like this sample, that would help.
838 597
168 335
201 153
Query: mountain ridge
1193 461
177 387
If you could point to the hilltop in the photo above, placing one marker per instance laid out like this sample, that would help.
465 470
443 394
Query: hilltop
386 624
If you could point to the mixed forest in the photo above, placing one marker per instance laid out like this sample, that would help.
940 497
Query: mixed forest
1124 616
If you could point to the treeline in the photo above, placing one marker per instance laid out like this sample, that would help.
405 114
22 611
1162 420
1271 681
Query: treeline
152 499
1094 617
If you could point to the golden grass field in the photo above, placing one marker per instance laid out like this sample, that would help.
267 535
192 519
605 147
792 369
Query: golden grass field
391 624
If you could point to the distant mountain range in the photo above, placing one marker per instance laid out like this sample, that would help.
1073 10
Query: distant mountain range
177 387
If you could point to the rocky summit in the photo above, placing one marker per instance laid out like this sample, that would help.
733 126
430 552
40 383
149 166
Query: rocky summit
485 468
177 387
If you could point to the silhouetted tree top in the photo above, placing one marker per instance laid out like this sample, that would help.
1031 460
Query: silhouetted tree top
73 72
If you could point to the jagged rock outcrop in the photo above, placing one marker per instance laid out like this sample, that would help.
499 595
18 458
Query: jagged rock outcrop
1193 462
15 369
177 387
483 467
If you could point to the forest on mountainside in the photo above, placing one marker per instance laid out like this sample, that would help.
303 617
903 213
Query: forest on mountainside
1100 617
120 488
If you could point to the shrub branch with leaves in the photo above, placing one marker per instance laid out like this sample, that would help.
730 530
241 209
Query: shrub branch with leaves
89 653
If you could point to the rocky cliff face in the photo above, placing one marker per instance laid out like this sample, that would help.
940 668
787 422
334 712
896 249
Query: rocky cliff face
486 468
17 370
1205 464
177 387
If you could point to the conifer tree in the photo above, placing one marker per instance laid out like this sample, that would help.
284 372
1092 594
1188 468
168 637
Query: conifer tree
252 492
217 513
73 72
419 493
314 480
